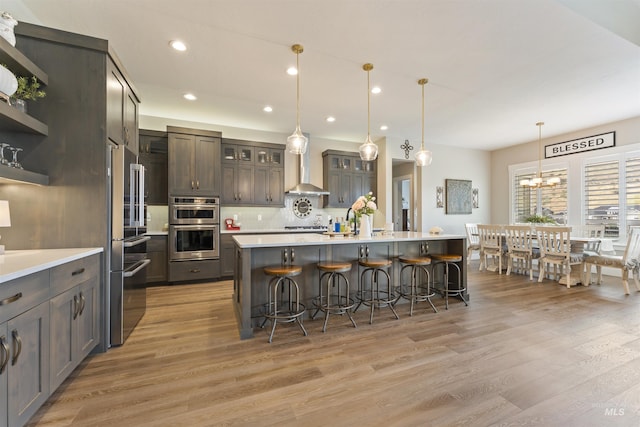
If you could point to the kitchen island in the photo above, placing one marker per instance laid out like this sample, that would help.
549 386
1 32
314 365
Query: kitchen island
254 252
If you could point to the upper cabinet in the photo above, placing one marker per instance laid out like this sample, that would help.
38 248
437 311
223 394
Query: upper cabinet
252 173
122 110
347 177
194 162
153 155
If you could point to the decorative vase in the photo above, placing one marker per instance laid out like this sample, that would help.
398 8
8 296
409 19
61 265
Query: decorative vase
6 28
19 104
365 227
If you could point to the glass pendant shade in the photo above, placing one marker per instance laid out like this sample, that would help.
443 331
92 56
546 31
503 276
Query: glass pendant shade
297 142
368 150
423 158
537 181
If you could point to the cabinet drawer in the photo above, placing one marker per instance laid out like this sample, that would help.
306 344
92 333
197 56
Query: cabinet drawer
20 295
68 275
194 270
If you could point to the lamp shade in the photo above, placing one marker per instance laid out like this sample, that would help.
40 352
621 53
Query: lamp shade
5 218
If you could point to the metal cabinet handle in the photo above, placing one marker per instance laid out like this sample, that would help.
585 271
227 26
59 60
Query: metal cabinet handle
197 184
4 356
76 307
293 255
239 196
192 184
17 346
366 250
195 270
9 300
78 271
82 303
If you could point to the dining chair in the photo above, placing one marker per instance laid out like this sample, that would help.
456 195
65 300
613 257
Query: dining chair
520 248
555 249
628 262
473 240
491 245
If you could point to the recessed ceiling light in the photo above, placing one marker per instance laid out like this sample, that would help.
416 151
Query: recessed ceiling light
267 109
178 45
331 119
384 127
190 96
376 89
292 71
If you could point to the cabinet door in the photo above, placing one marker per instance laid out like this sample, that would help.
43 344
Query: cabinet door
207 165
29 371
276 186
227 255
115 105
245 184
156 180
131 121
261 185
63 315
181 164
157 253
357 187
334 180
229 185
4 384
88 318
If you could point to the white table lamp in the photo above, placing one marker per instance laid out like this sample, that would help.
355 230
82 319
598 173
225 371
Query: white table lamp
5 218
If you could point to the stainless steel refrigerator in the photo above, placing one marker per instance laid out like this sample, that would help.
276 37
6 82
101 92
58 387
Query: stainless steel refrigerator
128 257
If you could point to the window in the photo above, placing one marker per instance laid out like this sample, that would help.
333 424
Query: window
612 195
552 200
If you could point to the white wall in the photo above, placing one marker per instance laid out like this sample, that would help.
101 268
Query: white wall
627 132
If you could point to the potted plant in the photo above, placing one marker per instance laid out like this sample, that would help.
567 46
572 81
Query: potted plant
539 219
28 89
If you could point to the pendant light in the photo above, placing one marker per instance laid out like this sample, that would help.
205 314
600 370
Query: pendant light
297 142
368 150
423 157
537 181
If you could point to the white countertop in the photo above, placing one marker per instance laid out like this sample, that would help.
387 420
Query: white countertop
305 239
267 231
16 264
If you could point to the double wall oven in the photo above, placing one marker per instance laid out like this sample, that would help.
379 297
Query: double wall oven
194 228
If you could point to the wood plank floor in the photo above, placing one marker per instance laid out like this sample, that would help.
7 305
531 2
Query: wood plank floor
522 353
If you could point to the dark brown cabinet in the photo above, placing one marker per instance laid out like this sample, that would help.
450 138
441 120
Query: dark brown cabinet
154 156
347 177
194 162
157 253
122 110
252 173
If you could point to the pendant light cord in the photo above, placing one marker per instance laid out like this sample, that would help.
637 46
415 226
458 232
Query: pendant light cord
540 149
422 144
368 106
298 90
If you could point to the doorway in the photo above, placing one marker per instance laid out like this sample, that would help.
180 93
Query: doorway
403 201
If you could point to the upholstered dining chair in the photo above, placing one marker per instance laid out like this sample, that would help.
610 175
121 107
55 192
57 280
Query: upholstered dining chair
555 249
520 248
491 245
628 262
473 240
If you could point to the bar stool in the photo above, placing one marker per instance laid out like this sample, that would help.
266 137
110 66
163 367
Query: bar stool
334 297
416 291
376 296
284 297
448 261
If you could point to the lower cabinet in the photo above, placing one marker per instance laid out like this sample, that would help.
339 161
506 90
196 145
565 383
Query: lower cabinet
227 255
182 271
49 322
157 253
24 375
74 328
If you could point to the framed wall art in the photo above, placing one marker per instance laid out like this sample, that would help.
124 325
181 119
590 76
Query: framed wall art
458 197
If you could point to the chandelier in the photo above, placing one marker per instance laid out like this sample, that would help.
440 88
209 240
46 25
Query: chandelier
537 182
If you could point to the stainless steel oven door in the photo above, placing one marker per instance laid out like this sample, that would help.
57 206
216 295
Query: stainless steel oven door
194 242
194 210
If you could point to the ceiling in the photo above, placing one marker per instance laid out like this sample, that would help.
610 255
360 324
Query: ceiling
495 67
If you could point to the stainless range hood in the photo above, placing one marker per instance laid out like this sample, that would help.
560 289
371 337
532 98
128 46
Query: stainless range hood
304 187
